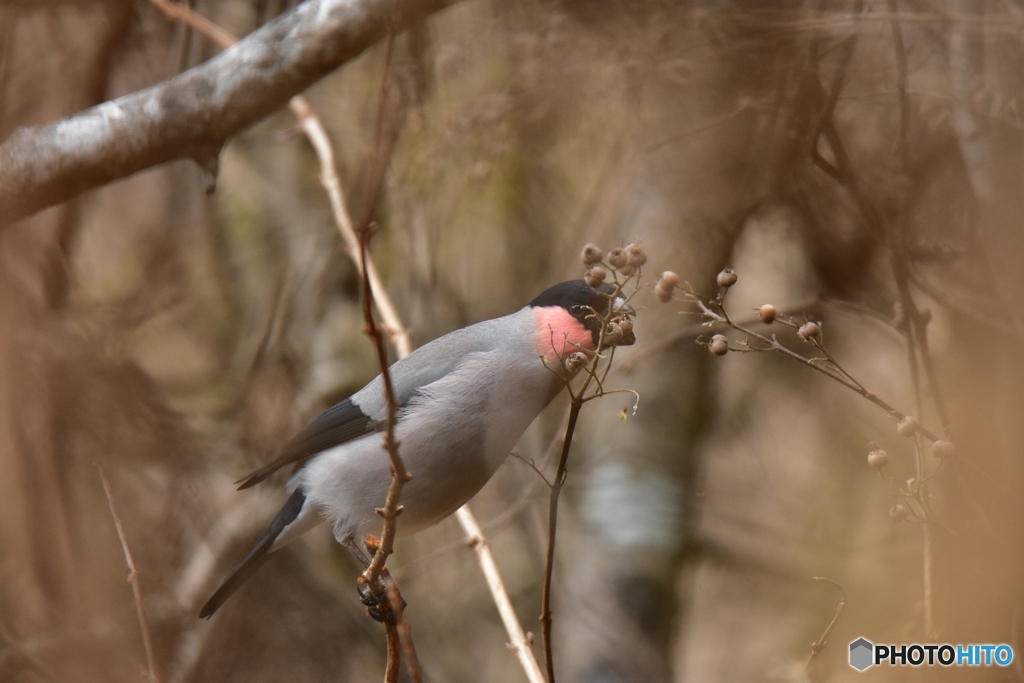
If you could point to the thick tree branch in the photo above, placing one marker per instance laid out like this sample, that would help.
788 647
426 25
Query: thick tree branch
193 114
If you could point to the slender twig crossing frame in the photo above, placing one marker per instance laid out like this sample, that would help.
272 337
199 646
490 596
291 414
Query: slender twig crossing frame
133 578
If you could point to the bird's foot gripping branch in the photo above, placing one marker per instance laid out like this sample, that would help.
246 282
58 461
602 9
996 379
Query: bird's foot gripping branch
378 605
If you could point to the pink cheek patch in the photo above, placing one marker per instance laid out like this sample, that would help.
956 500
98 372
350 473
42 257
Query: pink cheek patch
559 334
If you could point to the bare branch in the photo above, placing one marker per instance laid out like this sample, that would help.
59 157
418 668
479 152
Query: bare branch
194 113
519 644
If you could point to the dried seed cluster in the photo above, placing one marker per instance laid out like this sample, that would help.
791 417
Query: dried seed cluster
619 332
614 267
625 261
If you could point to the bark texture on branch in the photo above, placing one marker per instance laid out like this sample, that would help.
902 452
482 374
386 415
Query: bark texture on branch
193 114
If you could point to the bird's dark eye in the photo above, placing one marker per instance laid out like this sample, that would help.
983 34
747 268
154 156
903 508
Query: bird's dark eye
576 309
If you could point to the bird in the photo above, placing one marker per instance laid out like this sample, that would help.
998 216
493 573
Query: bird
464 400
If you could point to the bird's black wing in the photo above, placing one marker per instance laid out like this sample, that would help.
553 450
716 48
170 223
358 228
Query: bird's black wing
257 556
340 423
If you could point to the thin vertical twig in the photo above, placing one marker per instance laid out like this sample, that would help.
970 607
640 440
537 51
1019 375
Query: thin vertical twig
919 355
405 633
310 124
399 474
519 644
549 564
177 11
394 648
133 578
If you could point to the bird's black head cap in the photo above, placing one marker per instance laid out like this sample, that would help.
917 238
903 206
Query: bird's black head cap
581 300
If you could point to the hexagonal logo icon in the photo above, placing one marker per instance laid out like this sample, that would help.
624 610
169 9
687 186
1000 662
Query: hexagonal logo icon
861 654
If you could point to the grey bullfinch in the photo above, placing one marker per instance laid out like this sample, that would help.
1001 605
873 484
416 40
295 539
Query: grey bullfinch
464 401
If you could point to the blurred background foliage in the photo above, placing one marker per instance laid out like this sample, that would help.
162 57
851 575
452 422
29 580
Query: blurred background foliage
831 152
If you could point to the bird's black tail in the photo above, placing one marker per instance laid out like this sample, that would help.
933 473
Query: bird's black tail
257 556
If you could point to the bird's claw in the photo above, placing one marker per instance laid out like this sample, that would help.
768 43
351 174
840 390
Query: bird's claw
378 604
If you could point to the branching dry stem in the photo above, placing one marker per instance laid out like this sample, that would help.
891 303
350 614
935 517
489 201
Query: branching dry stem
820 644
836 373
549 563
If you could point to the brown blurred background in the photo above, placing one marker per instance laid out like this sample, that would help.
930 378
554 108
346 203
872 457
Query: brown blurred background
837 155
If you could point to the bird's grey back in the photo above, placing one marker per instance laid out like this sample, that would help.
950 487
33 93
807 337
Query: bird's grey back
434 360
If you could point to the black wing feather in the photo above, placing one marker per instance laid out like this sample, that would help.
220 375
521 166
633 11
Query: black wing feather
257 556
338 424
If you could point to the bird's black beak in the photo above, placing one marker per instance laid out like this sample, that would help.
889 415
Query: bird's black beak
621 307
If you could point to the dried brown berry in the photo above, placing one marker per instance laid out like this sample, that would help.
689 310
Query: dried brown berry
617 258
595 276
628 338
899 512
612 334
627 270
878 459
719 345
808 331
767 314
663 294
575 362
591 254
943 449
636 255
727 278
908 426
669 279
